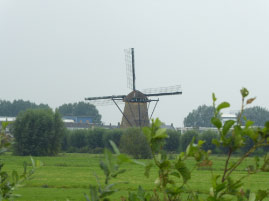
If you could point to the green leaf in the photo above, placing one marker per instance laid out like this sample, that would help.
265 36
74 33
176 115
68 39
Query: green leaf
161 133
38 163
138 163
201 142
147 133
261 194
252 197
122 158
267 124
249 123
176 174
157 123
115 174
183 170
223 105
244 92
105 168
165 164
93 193
5 124
216 122
215 142
220 187
15 177
227 125
147 169
114 147
214 97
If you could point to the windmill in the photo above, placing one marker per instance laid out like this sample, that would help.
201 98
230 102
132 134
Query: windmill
135 113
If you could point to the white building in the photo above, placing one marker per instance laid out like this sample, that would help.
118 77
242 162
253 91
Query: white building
226 117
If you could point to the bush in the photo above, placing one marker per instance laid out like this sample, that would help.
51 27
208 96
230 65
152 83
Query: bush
207 137
186 138
38 133
113 135
95 138
78 138
134 143
172 143
83 140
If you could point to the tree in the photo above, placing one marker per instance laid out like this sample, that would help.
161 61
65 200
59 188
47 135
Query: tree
12 109
80 109
38 132
199 117
257 114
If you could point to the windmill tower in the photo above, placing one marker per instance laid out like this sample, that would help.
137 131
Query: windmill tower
135 113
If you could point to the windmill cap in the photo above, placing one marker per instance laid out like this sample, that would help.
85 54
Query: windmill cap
136 96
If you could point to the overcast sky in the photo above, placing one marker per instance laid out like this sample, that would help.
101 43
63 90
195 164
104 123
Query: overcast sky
61 51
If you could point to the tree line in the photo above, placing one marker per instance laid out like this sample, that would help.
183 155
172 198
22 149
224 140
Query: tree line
41 132
12 109
201 117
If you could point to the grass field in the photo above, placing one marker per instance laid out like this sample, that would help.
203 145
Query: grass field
68 176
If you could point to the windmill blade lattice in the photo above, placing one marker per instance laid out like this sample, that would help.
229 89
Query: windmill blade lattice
106 102
129 70
162 91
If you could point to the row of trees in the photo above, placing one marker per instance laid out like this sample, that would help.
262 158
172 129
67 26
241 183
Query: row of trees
12 109
80 109
42 132
201 117
130 141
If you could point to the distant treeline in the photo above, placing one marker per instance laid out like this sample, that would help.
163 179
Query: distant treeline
132 141
12 109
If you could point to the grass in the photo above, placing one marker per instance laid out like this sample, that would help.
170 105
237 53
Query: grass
68 176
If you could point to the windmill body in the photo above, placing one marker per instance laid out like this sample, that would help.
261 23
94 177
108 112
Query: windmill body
136 103
135 110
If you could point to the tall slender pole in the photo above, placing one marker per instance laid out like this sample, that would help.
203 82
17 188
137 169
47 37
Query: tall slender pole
139 116
133 68
154 108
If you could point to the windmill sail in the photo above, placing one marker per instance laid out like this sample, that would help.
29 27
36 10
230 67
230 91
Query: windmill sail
105 102
163 91
130 71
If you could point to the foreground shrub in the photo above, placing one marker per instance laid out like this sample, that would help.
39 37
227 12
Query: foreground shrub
38 133
134 143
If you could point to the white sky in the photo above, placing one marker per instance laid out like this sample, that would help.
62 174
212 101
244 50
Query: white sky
61 51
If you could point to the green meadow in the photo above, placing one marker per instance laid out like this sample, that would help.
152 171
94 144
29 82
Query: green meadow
68 176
